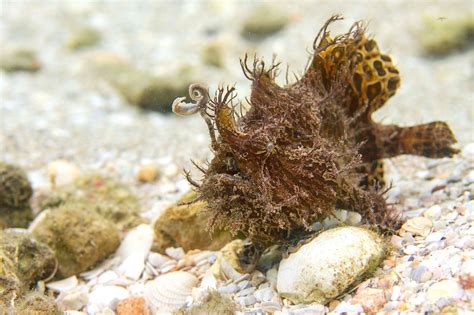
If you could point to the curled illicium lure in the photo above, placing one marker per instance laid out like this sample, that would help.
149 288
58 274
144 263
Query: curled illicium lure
306 148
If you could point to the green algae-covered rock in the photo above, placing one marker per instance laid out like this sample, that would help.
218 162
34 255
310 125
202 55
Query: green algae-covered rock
83 37
213 54
139 87
19 59
444 35
264 20
10 285
109 198
36 303
186 226
213 303
15 194
15 218
80 238
15 189
30 259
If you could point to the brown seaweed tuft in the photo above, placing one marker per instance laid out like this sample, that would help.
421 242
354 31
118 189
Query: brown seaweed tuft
306 148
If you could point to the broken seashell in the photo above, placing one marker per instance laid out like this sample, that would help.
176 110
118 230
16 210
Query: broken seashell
133 251
62 172
208 281
63 285
235 259
168 266
270 307
175 252
418 226
157 260
138 240
222 269
169 292
73 301
105 297
97 271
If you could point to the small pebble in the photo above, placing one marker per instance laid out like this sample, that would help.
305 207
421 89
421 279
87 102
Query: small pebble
420 274
272 275
246 291
396 293
410 249
243 284
270 307
175 252
73 301
396 241
371 299
433 212
418 226
157 259
62 172
265 294
346 307
469 210
147 173
469 179
230 288
247 300
132 306
468 150
106 297
452 216
408 238
19 59
353 218
446 289
434 237
257 278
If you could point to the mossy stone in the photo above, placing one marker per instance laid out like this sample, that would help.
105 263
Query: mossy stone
10 285
108 197
15 189
15 218
264 20
141 88
441 36
80 238
83 37
186 226
19 59
213 303
36 303
33 260
213 54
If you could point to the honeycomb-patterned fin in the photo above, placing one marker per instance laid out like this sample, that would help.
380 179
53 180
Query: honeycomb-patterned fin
329 61
431 140
375 77
373 175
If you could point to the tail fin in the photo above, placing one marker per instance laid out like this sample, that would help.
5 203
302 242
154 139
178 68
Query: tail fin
432 140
